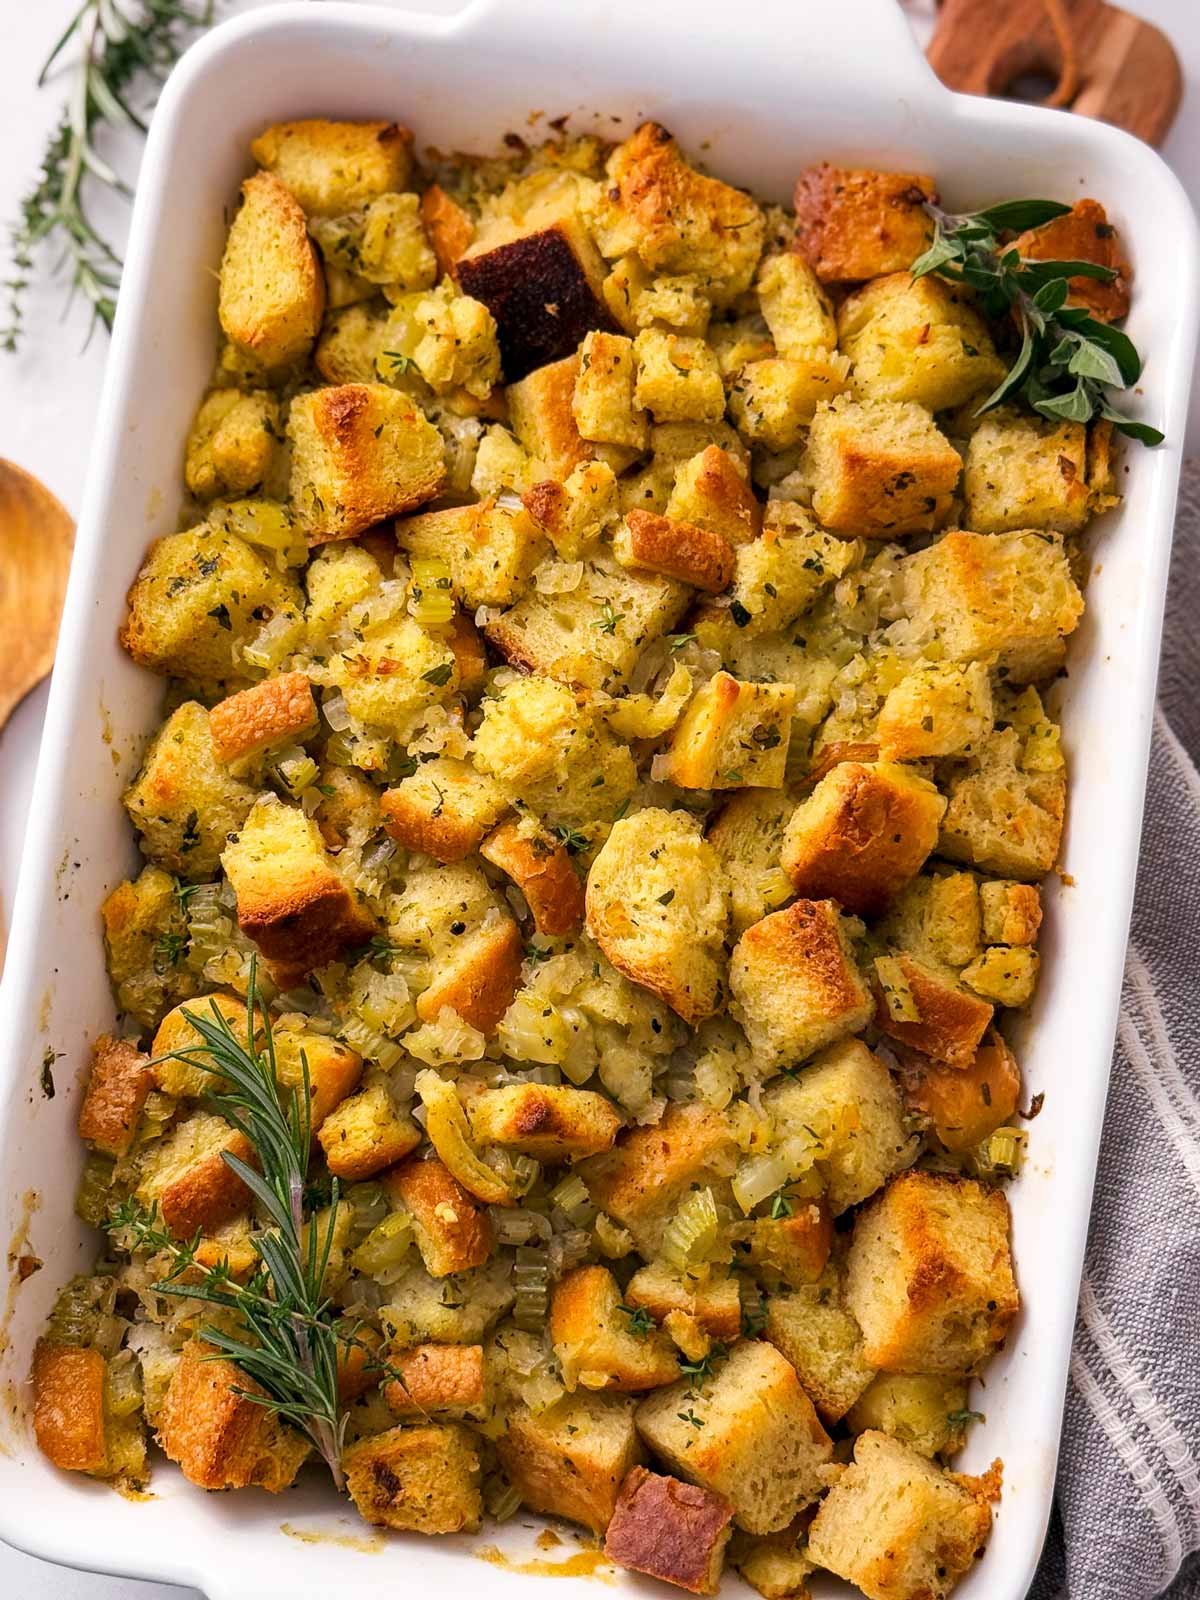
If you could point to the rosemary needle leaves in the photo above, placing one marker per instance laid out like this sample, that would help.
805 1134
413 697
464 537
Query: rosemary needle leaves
1069 364
278 1327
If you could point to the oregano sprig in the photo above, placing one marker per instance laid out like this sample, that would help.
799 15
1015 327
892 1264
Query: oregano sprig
1069 364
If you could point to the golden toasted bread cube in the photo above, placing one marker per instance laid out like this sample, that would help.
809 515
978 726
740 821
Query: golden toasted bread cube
601 1346
350 344
185 1175
674 218
1012 912
673 1531
712 491
791 1249
392 677
642 1179
452 1229
541 412
773 1564
182 803
848 1099
1002 819
219 1438
574 515
855 223
335 167
178 1076
361 452
713 1303
72 1421
1084 234
898 1527
443 809
118 1082
645 541
748 837
1006 598
233 445
384 244
450 339
658 906
734 735
922 1005
862 834
678 379
272 292
917 339
593 634
914 1407
929 1274
939 710
879 468
334 1070
145 936
813 1329
571 1460
603 401
250 724
776 577
199 596
966 1103
1026 471
542 870
1004 974
449 227
366 1132
936 917
291 900
795 983
418 1480
774 400
551 1123
491 550
749 1434
444 1380
797 310
478 978
639 300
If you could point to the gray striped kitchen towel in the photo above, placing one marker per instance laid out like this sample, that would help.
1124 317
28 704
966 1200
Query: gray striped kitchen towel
1127 1515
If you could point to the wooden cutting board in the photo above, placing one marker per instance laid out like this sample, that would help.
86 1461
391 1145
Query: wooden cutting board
1094 58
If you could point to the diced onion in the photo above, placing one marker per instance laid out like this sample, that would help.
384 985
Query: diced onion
611 1240
387 1245
336 712
449 1133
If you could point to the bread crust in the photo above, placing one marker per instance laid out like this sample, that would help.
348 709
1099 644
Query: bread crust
117 1086
68 1405
550 1123
711 493
449 227
453 1230
436 1377
670 1530
479 978
277 711
853 224
542 870
208 1192
1084 234
677 549
951 1022
218 1438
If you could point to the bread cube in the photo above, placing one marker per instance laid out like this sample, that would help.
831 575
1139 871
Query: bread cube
733 735
711 491
638 299
335 167
966 1104
291 901
1006 598
1084 234
145 936
592 634
879 468
182 803
366 1132
233 445
119 1080
550 1123
917 339
657 905
541 411
361 453
929 1274
185 1175
775 1565
574 515
334 1070
72 1421
1025 471
174 1073
442 1380
1001 819
791 1249
601 1346
774 400
443 809
478 978
923 1006
855 223
797 310
198 598
862 834
642 1179
220 1438
678 379
251 724
750 1434
674 218
448 226
1012 912
748 837
491 550
673 1531
571 1460
383 244
417 1480
542 871
450 338
812 1328
603 401
939 710
898 1527
914 1407
272 292
648 542
777 577
349 345
936 918
391 677
452 1229
795 983
1004 974
849 1101
712 1303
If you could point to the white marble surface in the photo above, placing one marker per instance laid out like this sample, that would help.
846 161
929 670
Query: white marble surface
48 398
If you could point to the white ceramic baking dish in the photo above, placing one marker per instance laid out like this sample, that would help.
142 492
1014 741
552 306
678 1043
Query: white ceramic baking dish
760 92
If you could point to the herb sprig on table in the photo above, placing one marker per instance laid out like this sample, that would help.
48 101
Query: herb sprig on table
1069 364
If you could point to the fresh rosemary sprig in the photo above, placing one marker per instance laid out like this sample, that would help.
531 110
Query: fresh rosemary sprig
1069 362
124 45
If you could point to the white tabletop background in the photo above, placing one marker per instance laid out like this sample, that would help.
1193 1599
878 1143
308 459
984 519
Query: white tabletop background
48 399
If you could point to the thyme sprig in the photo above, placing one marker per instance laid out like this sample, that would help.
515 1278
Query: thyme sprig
124 46
1069 363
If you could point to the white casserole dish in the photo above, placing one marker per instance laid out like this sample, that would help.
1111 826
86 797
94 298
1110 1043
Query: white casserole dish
760 96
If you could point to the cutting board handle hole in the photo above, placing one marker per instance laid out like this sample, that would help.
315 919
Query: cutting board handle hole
1034 85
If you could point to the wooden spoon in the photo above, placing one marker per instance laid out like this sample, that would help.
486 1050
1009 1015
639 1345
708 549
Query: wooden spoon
36 536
